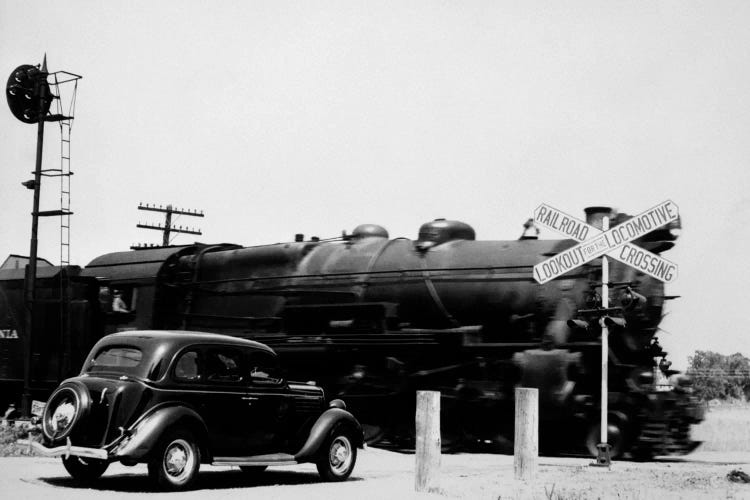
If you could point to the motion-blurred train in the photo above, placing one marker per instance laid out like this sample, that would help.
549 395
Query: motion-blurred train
374 319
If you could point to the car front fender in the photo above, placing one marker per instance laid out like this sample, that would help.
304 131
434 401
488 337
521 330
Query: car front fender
144 435
322 428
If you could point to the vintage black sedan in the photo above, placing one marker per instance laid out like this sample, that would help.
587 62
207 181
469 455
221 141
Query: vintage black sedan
176 399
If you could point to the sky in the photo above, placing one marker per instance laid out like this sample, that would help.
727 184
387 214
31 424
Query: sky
284 117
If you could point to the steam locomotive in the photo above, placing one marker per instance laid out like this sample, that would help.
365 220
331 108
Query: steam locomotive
374 319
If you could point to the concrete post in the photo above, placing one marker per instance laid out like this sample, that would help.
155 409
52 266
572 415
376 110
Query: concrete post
526 442
427 454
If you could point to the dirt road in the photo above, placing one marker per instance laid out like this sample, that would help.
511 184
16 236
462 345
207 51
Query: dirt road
387 475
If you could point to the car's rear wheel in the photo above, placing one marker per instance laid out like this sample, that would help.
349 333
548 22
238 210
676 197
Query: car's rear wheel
337 457
175 462
85 469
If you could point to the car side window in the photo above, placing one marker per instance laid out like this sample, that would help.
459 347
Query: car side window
186 368
224 365
264 369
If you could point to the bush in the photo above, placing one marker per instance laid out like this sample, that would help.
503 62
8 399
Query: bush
716 376
9 434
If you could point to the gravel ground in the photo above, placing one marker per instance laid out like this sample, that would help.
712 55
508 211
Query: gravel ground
387 475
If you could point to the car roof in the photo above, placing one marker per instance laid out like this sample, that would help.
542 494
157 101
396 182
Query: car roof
177 339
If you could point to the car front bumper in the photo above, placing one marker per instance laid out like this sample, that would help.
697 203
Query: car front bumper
65 450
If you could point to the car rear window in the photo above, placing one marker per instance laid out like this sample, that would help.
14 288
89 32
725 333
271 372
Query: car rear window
116 358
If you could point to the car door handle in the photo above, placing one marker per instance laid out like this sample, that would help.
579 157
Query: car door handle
249 398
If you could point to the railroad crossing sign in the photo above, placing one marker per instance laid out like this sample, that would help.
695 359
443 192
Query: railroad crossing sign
605 242
615 242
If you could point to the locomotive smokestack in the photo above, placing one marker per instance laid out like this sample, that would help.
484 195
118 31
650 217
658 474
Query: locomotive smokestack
594 215
530 231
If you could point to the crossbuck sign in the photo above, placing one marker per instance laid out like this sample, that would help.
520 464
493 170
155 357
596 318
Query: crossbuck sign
615 242
606 242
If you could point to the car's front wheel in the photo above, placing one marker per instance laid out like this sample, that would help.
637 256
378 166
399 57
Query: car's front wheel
85 469
337 457
175 462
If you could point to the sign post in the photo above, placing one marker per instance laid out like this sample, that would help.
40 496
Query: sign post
606 243
603 457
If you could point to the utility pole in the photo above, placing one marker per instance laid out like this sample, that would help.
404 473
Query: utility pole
168 228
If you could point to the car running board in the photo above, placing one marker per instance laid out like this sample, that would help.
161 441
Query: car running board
271 459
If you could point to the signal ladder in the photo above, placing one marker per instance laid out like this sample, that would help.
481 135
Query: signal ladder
64 173
65 120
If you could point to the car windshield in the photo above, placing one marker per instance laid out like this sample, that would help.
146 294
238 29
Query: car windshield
125 359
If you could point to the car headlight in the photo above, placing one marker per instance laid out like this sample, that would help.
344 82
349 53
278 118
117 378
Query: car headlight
337 403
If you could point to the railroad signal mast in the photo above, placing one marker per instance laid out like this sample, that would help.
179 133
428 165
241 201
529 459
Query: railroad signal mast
29 92
169 227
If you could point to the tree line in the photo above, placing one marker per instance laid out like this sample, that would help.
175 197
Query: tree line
719 376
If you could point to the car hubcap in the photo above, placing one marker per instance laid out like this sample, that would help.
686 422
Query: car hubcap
63 416
178 459
340 455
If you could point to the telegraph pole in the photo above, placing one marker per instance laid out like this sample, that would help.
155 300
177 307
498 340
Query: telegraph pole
168 228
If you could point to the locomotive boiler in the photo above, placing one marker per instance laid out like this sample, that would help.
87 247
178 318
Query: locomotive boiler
373 319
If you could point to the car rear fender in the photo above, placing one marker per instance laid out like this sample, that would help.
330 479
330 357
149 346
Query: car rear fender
145 434
322 428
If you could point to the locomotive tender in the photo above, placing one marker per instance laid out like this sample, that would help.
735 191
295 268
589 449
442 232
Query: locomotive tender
373 319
